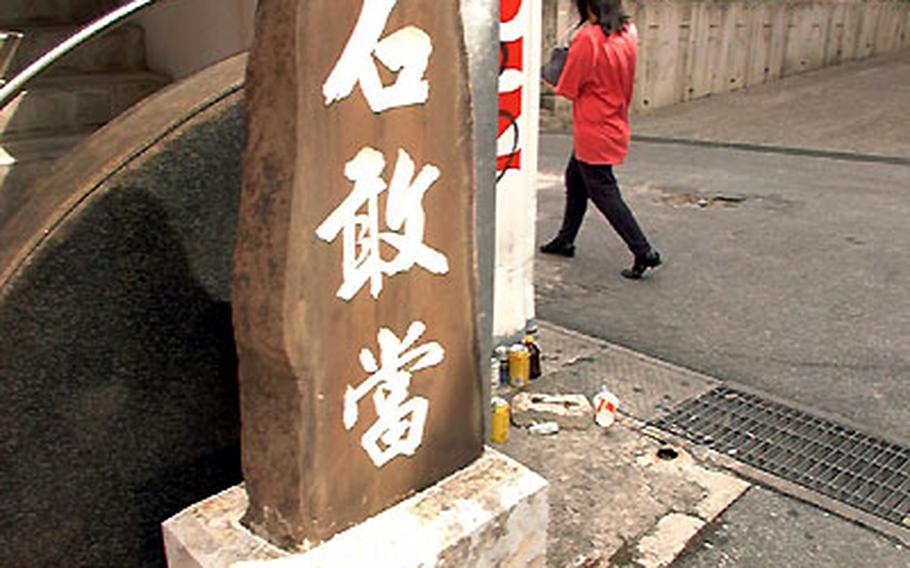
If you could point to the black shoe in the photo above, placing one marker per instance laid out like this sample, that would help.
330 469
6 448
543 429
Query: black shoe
559 247
650 259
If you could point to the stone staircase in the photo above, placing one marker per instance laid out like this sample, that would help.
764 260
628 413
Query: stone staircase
76 96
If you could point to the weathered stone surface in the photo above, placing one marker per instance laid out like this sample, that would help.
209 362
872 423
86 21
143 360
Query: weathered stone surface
300 340
568 410
667 539
492 513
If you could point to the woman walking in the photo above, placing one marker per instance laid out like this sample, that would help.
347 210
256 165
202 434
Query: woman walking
597 78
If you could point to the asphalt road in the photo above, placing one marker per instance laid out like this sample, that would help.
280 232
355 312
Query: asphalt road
798 286
784 271
764 528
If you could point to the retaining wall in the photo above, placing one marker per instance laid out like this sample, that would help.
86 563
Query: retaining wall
694 48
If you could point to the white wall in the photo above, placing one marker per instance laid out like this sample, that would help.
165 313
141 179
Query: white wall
184 36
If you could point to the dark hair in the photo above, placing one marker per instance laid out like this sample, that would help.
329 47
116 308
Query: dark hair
609 13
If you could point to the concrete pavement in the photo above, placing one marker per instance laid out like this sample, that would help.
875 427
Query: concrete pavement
614 498
785 272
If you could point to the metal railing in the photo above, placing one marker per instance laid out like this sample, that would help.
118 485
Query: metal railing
112 19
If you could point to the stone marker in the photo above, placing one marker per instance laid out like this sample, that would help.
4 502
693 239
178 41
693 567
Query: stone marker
354 284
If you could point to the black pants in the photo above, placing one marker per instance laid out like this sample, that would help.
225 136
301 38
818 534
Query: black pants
597 182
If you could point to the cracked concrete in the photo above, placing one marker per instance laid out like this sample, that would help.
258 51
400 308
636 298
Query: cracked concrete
609 490
667 540
607 493
491 513
568 410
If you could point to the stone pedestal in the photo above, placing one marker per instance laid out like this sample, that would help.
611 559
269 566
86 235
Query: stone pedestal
491 513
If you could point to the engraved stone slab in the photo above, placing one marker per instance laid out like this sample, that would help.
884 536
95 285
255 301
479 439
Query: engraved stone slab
354 284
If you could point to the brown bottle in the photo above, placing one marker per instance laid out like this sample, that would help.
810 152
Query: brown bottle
534 350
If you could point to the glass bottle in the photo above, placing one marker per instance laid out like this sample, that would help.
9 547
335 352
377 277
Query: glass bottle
534 351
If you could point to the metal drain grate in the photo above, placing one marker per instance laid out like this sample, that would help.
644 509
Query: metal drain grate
868 473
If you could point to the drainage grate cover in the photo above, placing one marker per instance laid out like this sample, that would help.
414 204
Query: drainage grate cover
868 473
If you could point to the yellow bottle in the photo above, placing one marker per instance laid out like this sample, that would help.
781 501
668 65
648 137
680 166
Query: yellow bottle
519 365
499 422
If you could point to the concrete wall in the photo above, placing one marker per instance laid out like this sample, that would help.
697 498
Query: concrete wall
694 48
184 36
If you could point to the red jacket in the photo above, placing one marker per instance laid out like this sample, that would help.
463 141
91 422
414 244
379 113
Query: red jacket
598 78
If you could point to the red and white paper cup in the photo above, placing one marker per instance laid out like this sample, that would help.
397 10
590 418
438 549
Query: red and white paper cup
605 405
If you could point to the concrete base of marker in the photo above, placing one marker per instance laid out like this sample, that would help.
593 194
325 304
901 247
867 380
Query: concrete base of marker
492 513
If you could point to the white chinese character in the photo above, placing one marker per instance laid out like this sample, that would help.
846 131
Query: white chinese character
403 215
398 429
406 52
